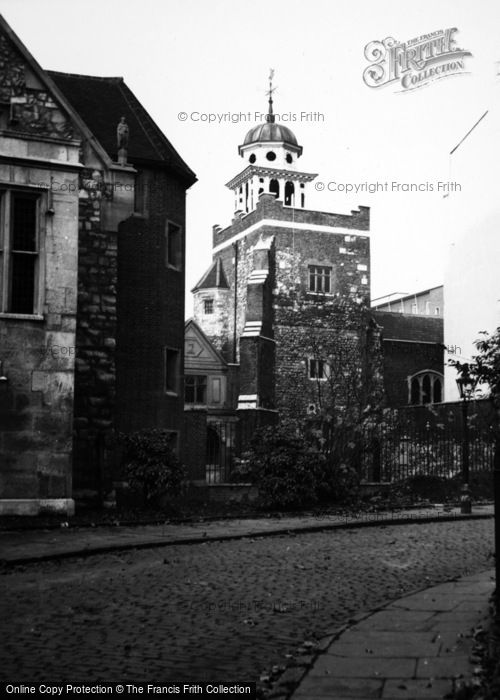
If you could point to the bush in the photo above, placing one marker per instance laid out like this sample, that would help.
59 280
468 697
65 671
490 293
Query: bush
290 472
150 464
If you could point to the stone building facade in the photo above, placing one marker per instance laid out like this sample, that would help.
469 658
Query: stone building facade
293 310
92 252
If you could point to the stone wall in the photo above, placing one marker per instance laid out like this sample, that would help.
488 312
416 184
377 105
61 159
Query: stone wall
38 352
95 372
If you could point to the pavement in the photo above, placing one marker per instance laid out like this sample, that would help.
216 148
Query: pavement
419 646
23 547
414 647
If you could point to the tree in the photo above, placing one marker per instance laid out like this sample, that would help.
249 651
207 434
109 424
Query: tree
349 394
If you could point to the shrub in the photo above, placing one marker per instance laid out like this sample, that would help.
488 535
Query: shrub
286 469
291 472
150 464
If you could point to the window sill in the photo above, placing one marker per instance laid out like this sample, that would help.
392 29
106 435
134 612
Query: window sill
172 393
169 266
320 294
23 317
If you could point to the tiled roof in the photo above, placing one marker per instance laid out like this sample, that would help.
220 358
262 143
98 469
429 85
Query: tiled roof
101 102
213 277
399 326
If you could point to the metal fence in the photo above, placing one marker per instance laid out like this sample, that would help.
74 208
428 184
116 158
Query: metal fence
402 452
221 451
397 448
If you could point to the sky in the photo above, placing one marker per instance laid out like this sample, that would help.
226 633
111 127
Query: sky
204 57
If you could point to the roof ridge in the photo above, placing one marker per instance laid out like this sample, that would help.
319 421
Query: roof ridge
113 78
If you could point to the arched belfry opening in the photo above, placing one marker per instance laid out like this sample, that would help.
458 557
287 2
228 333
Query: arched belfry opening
289 194
274 188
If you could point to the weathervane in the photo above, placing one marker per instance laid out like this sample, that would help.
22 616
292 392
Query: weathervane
270 115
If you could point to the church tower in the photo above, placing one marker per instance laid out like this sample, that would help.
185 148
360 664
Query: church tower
298 289
271 151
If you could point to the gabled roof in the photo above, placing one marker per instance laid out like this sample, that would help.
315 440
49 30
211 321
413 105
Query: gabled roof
210 352
52 88
213 277
101 102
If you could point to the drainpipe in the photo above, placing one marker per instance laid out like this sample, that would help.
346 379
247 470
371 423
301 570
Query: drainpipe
235 246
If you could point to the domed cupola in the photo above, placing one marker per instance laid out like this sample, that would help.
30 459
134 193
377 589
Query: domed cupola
270 143
271 151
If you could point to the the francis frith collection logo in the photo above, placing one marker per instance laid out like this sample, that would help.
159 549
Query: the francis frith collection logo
416 62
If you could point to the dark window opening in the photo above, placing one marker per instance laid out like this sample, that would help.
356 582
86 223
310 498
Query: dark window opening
172 371
425 388
24 255
208 306
289 158
174 245
196 389
320 279
252 158
274 188
271 155
289 193
317 369
415 391
438 391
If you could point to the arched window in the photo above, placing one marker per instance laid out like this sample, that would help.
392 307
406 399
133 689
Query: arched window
274 188
425 387
289 194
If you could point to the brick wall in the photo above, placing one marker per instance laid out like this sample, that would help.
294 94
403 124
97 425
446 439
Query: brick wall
150 310
411 344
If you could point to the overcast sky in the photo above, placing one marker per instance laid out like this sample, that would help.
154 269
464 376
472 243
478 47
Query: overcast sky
202 57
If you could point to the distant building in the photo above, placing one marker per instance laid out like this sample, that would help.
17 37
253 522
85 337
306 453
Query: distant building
429 302
472 282
92 197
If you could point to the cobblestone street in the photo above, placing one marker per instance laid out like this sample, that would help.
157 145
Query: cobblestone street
216 611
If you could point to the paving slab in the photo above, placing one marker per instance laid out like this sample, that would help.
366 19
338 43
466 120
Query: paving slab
413 648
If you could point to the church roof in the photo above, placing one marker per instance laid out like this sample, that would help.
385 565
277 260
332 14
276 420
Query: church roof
410 327
101 102
213 277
